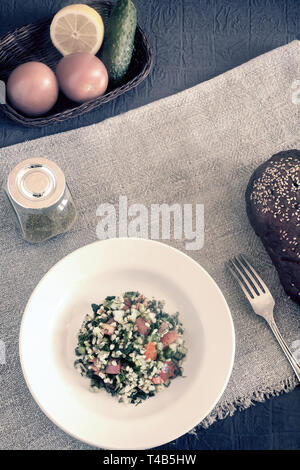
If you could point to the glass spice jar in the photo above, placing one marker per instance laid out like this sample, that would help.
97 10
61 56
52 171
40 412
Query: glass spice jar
40 199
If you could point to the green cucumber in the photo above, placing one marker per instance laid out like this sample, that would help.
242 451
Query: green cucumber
119 39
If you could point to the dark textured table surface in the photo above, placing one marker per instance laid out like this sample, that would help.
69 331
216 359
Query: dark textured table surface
193 41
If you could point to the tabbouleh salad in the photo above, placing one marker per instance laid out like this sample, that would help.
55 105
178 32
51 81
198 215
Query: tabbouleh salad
130 347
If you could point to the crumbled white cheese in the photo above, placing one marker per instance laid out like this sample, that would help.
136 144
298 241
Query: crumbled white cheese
142 308
118 315
152 317
97 331
133 314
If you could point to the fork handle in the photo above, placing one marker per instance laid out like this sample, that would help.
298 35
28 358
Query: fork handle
290 357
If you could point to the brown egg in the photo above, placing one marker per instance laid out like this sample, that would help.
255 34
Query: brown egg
82 76
32 88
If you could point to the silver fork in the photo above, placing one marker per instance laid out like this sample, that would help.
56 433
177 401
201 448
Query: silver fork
261 300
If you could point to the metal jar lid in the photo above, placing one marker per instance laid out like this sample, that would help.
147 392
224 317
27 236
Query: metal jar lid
36 183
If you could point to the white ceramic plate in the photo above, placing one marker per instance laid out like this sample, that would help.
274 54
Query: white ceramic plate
55 312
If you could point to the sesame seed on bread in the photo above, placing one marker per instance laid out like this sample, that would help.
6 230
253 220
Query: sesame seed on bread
273 208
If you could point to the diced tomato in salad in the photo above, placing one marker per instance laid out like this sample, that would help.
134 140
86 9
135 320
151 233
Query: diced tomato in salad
169 338
113 369
156 380
151 352
141 326
163 327
167 371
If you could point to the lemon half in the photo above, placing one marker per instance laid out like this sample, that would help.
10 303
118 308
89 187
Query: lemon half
77 28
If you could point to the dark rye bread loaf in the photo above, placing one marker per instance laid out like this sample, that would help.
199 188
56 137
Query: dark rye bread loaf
273 208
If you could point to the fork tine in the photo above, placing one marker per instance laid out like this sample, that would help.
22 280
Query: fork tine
245 268
246 288
253 274
244 271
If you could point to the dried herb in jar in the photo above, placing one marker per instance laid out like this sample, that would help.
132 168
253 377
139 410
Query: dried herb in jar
40 199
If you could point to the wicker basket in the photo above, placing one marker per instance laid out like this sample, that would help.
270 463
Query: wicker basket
32 42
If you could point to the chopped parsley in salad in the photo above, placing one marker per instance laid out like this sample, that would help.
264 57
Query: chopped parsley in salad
130 347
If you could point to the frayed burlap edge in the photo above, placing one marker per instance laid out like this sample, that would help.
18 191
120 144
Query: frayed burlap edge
226 408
